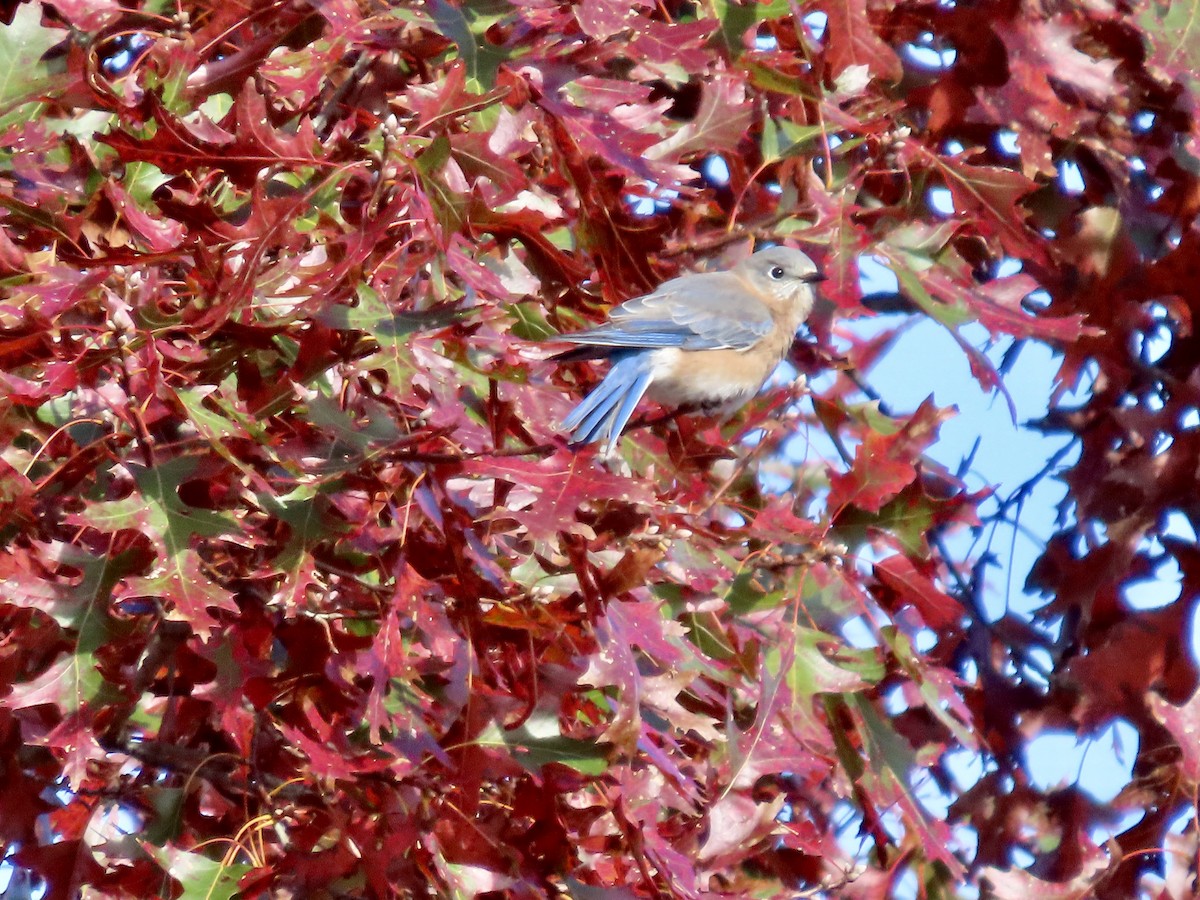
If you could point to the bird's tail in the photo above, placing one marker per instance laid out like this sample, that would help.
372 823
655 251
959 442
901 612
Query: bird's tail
605 411
577 354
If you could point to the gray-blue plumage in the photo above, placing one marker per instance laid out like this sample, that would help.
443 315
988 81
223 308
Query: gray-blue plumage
676 315
706 341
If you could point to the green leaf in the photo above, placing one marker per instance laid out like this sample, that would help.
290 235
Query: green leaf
1173 30
939 708
887 750
82 605
179 574
167 804
389 329
142 179
852 762
467 26
706 633
800 137
302 511
906 271
580 891
449 206
214 426
72 681
23 75
531 324
202 878
747 595
813 672
533 751
737 17
357 433
906 519
175 520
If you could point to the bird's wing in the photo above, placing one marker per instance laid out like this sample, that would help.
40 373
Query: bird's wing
694 312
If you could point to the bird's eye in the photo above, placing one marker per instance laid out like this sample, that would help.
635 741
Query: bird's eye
776 272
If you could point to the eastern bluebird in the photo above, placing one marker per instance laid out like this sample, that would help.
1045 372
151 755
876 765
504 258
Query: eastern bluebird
706 341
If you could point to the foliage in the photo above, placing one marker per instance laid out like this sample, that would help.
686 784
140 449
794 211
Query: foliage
305 595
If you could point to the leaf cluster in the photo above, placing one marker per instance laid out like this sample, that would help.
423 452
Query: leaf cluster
305 595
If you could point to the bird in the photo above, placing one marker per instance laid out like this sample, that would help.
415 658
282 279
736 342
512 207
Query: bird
700 341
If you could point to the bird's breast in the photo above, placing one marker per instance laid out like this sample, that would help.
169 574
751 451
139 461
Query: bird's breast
711 378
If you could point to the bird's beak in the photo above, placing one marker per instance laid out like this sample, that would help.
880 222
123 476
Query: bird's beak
814 277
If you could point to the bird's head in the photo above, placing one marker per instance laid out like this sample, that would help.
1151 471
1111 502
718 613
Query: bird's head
784 274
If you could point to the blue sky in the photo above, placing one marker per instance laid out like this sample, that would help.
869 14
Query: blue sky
925 361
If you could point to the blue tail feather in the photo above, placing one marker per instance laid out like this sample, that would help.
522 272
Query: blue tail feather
621 416
597 399
605 411
591 428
